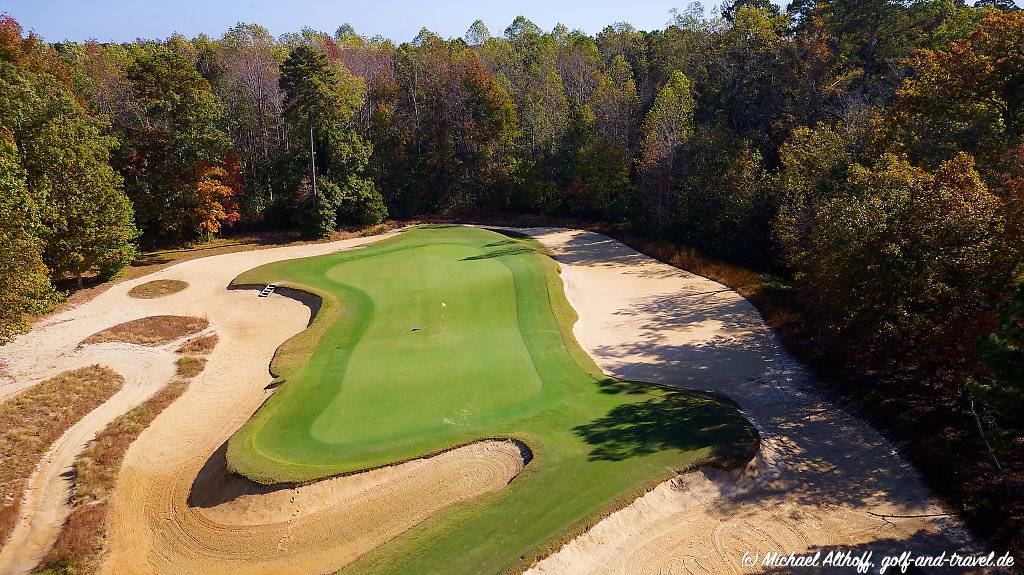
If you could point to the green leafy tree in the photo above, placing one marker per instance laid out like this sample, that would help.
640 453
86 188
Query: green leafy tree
88 217
669 124
86 220
616 104
320 103
171 132
25 287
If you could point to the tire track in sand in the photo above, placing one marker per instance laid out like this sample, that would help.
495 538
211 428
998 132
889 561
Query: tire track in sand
44 504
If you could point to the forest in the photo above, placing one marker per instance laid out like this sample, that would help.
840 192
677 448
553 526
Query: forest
867 156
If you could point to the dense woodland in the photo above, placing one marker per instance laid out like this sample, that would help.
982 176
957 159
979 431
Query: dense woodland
867 154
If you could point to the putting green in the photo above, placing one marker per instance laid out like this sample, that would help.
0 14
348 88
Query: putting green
444 335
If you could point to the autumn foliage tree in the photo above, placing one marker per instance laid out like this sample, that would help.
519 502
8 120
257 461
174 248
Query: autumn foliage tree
171 131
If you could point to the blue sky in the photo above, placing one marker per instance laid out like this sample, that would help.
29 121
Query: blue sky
400 20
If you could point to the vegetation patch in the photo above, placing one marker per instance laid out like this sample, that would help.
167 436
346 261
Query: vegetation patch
190 366
81 539
156 289
80 542
202 344
390 371
152 331
32 420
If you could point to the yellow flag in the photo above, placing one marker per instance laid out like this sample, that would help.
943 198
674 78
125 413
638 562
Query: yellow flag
444 304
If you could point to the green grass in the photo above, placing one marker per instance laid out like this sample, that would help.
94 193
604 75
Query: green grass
380 377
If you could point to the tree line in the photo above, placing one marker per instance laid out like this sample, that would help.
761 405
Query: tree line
871 153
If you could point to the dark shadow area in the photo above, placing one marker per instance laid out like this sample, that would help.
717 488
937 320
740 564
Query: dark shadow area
265 239
310 300
215 485
670 419
510 251
500 243
510 233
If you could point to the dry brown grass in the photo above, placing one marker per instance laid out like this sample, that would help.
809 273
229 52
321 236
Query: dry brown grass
153 330
80 542
32 420
190 366
157 288
199 345
81 539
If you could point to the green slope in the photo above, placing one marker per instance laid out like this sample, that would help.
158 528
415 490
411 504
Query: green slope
387 373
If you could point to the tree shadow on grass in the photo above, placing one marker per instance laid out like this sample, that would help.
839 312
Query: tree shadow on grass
509 251
668 419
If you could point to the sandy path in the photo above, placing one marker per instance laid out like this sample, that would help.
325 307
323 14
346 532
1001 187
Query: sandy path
43 508
159 523
820 476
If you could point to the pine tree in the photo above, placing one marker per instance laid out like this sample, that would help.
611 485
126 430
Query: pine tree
320 103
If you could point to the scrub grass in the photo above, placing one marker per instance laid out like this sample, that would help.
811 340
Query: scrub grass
152 331
156 289
446 335
32 420
190 366
81 539
80 542
202 344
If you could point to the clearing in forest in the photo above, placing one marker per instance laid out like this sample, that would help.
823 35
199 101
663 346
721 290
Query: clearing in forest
446 335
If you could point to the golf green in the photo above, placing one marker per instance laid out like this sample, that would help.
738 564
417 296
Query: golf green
444 335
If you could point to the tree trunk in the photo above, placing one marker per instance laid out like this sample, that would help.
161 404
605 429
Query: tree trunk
78 280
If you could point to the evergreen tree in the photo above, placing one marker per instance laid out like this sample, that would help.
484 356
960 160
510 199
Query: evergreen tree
1003 355
320 103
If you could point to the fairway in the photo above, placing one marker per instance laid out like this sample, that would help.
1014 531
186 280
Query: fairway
445 335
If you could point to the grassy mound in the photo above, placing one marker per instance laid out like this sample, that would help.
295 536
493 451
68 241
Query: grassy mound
153 330
446 335
157 288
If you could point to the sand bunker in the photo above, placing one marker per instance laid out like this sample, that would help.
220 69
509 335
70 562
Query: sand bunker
175 509
822 479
